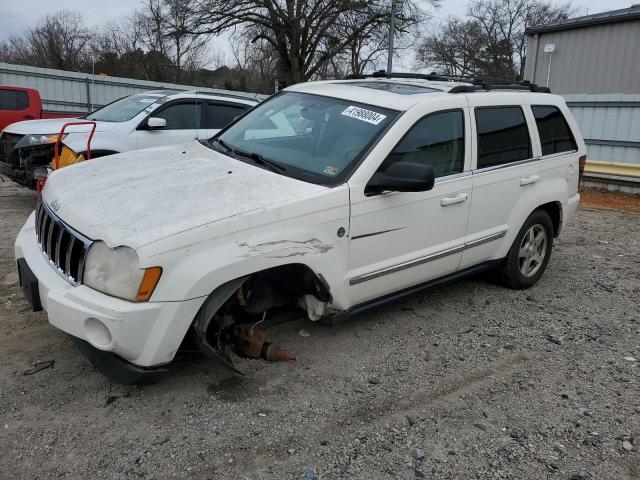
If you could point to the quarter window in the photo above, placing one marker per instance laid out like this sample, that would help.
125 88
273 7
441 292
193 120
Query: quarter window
180 116
13 100
503 136
555 134
218 115
436 140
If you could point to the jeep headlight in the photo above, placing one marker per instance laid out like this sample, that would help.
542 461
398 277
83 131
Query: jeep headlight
117 272
35 140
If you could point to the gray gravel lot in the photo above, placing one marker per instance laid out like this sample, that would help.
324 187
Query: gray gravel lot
471 381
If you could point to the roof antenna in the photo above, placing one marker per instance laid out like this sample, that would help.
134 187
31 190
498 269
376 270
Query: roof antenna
197 109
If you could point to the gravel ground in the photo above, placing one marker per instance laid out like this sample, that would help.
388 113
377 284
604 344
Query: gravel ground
471 381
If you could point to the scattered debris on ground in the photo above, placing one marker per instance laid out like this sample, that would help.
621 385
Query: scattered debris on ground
39 366
470 381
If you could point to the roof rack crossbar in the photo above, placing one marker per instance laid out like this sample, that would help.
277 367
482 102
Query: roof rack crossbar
477 82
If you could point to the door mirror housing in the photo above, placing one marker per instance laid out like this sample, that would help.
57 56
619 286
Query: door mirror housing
402 177
156 122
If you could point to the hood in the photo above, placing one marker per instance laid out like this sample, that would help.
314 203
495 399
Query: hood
54 125
138 197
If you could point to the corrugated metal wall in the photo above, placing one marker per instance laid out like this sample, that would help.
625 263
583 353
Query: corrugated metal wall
79 92
610 125
597 69
589 60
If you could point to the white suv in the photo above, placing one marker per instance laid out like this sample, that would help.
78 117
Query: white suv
333 196
151 119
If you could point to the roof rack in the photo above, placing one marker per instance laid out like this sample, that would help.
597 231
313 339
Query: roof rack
477 82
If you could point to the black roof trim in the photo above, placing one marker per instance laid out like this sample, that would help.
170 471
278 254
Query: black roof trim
613 16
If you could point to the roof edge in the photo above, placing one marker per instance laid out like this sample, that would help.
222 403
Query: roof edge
632 13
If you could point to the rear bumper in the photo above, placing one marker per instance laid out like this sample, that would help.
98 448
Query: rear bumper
143 334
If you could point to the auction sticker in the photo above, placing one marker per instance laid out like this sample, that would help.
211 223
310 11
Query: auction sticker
363 114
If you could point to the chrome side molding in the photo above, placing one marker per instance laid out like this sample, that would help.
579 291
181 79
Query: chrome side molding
427 258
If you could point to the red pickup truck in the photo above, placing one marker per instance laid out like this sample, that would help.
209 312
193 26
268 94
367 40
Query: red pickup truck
18 104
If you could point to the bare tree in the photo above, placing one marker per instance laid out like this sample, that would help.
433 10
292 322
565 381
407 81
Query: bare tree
154 43
492 41
298 31
256 61
169 27
368 47
58 41
453 50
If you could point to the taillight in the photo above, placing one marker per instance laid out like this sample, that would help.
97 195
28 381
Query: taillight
581 164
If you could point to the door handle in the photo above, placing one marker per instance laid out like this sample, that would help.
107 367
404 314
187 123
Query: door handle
529 180
461 197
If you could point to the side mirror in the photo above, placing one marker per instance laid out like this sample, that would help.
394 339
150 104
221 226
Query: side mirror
156 122
402 177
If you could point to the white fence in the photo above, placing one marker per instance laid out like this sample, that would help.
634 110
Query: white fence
80 92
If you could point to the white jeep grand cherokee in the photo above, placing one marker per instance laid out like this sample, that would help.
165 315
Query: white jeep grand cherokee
332 196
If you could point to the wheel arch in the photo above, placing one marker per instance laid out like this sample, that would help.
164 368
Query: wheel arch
251 290
554 209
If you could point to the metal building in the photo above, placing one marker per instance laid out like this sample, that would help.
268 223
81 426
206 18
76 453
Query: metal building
594 62
587 55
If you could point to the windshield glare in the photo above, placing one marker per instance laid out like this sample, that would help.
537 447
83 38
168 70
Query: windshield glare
124 109
318 137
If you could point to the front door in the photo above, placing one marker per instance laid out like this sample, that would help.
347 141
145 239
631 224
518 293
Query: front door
398 240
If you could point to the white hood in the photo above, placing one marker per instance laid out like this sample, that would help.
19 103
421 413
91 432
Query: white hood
138 197
54 125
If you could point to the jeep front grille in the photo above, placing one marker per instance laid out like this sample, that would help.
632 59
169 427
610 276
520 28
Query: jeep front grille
65 248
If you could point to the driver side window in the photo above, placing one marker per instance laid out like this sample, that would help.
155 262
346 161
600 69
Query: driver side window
180 116
436 140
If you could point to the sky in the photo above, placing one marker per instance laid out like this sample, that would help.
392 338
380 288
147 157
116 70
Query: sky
21 15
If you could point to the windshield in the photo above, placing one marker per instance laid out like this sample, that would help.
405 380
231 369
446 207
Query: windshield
124 109
314 138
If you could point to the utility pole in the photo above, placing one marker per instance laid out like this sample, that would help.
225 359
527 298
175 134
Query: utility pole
392 31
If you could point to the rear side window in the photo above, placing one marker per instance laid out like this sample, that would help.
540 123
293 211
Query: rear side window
436 140
503 136
555 134
219 115
13 100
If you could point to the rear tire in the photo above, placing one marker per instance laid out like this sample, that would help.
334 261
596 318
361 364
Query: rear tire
529 255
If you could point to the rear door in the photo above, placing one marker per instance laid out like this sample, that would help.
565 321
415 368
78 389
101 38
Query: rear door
506 174
218 114
560 157
14 107
183 121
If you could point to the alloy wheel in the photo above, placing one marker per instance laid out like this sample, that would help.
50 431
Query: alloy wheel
533 250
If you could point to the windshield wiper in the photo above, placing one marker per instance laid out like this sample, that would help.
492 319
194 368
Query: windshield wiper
224 144
256 157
